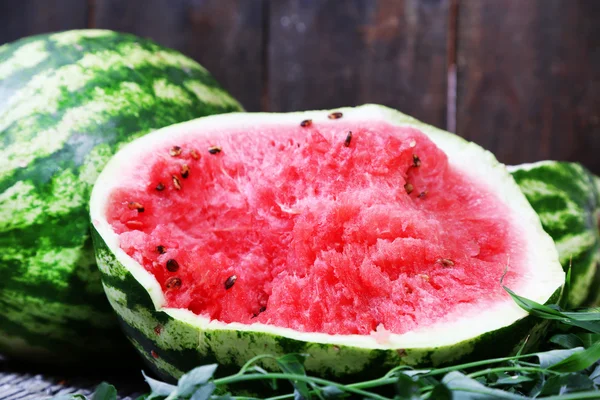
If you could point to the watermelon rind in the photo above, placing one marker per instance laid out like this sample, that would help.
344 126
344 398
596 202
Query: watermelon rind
175 340
565 196
68 102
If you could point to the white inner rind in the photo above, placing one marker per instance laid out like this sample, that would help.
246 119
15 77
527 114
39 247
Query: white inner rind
542 277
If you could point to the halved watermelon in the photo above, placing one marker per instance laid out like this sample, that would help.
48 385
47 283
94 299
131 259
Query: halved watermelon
359 236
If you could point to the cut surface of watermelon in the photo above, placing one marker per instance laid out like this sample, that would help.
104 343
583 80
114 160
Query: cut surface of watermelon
231 236
316 229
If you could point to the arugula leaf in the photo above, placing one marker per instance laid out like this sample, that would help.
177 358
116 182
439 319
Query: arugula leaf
588 339
333 392
553 357
189 382
104 391
294 364
465 388
204 392
579 360
586 320
595 375
406 387
510 380
568 383
158 388
567 340
441 392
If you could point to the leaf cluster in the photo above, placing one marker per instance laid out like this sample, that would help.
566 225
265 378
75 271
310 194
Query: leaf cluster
567 369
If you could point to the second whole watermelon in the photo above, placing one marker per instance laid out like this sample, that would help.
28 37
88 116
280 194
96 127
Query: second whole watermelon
68 101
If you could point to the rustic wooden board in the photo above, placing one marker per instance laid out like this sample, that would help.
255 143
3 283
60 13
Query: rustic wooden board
529 79
29 17
325 54
225 36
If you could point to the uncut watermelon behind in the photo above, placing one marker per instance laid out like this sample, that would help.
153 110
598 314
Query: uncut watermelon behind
565 196
68 101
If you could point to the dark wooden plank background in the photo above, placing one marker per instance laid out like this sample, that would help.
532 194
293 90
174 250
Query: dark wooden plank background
520 77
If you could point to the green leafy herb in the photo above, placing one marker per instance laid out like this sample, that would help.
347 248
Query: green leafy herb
104 391
567 369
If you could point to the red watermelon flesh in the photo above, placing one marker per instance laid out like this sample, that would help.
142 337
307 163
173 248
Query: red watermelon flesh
336 227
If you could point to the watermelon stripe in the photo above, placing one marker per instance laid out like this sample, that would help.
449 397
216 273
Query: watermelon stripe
68 101
568 203
104 103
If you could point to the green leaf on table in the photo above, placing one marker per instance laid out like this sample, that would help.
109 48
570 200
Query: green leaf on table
566 383
104 391
204 392
595 375
567 340
294 364
158 388
406 387
511 380
271 382
189 382
553 357
579 361
333 392
589 320
588 339
441 392
465 388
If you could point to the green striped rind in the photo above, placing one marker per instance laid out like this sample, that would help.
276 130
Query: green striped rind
566 197
594 297
172 347
68 101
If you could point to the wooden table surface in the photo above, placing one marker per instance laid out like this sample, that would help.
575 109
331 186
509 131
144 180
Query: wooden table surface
520 77
19 381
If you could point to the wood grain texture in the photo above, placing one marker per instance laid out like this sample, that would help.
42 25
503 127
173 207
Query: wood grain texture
30 17
225 36
326 54
529 79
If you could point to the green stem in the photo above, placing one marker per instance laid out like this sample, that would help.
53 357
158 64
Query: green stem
574 396
508 369
441 371
373 383
292 377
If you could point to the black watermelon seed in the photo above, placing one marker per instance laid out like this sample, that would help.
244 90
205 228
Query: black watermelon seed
172 265
134 205
348 139
214 150
185 171
173 283
175 151
416 161
230 281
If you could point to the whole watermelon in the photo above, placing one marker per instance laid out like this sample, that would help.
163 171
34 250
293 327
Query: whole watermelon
68 101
